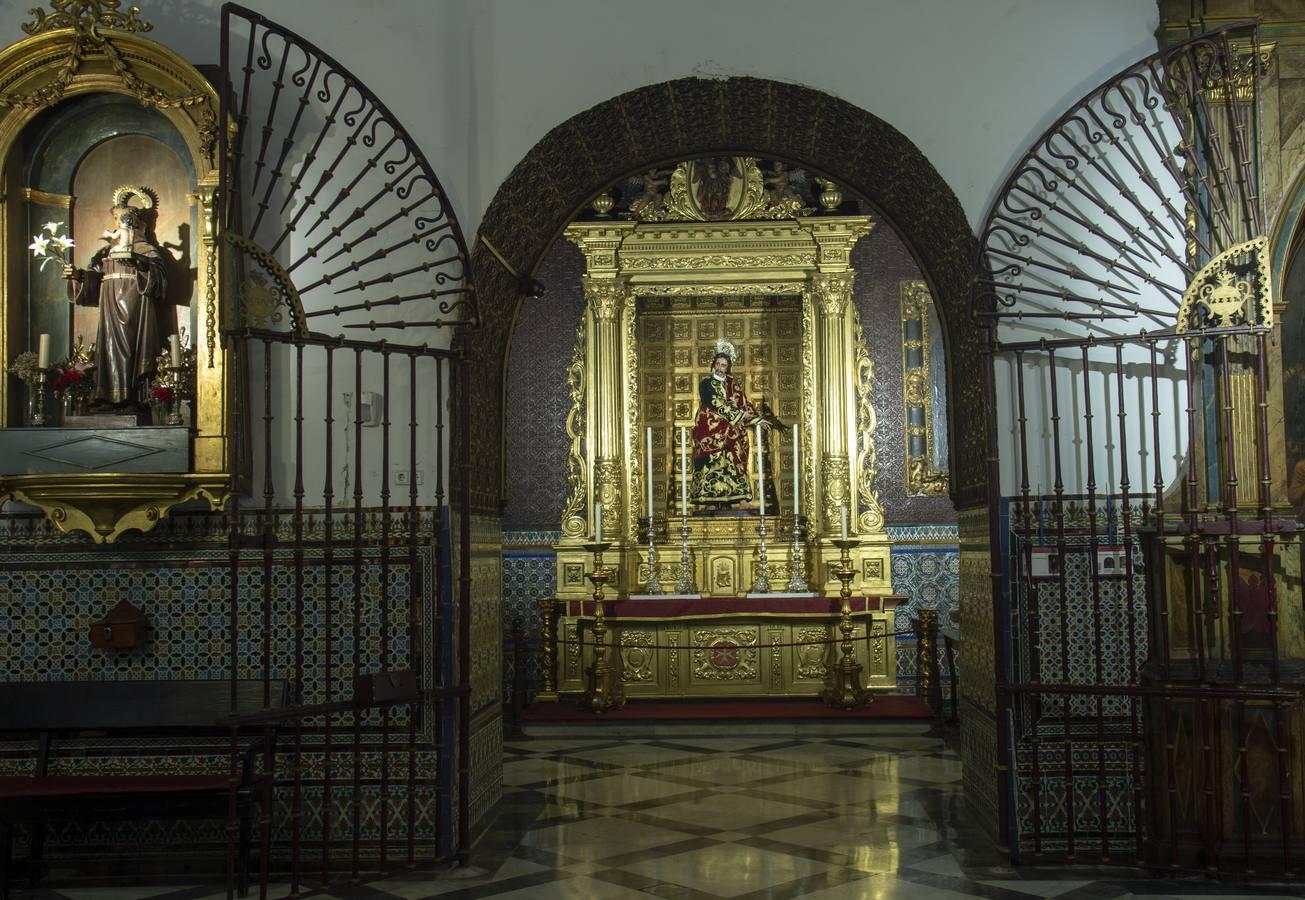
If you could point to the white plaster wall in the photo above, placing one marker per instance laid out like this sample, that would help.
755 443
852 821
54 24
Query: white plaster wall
478 82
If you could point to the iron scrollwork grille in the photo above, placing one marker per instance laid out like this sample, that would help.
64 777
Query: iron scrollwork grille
1114 210
348 525
335 218
1123 272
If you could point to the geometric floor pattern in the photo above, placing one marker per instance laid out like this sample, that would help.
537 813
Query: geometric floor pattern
699 811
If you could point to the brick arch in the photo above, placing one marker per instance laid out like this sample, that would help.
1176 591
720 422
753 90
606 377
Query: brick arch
675 120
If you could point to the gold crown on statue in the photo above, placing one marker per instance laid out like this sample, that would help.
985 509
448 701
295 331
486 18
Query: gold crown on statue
726 348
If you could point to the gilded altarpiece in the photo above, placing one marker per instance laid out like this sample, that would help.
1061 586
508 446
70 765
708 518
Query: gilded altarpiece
661 287
788 274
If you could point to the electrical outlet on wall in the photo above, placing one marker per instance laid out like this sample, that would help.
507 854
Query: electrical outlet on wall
402 475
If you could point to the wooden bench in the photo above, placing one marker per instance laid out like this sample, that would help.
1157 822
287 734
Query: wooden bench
53 711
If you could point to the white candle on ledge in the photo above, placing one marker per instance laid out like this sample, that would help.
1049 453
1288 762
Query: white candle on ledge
43 352
648 456
684 471
174 350
761 472
598 521
842 518
797 505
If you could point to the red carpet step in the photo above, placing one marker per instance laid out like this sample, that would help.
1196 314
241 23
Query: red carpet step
884 707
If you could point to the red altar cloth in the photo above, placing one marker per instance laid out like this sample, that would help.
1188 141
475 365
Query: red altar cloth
711 607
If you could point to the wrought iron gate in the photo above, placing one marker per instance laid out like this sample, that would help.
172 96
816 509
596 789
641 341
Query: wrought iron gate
348 533
1151 685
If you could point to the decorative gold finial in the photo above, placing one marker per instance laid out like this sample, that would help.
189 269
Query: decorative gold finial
86 17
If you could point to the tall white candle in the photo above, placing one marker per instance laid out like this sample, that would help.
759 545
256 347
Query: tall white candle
761 471
43 352
684 471
648 456
842 519
598 520
797 505
174 350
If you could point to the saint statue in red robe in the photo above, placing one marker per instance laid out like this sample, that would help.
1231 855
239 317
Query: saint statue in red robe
721 436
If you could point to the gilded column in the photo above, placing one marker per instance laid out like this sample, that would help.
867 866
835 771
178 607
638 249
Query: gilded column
597 375
605 298
832 293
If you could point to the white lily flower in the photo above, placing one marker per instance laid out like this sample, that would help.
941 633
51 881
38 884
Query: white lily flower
39 245
53 227
63 241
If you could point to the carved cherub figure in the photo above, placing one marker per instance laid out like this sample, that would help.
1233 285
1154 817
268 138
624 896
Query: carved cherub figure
779 184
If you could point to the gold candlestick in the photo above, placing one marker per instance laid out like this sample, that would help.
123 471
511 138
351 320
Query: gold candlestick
797 582
36 409
604 690
653 584
549 692
843 687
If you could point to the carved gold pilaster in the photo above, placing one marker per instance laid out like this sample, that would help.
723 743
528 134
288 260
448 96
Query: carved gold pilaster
835 490
869 512
575 515
832 294
608 476
605 298
596 426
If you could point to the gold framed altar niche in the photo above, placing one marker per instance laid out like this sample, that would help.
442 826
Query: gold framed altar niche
660 289
88 109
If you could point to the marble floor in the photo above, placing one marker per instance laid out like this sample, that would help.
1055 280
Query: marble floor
696 811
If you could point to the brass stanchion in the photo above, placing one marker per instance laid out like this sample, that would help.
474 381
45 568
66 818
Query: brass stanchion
549 692
604 690
927 659
843 687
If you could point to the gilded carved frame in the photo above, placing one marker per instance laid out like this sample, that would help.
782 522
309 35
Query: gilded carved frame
67 58
923 479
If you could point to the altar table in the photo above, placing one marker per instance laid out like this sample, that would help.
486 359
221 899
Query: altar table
728 646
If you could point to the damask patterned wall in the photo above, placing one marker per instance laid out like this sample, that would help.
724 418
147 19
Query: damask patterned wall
882 263
537 399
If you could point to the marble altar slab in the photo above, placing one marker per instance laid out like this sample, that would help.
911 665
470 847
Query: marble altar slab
161 449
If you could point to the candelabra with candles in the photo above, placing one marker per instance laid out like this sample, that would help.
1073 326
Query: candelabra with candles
685 583
36 403
37 386
797 582
653 583
176 378
762 583
843 687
